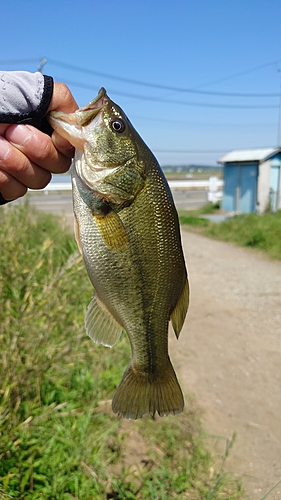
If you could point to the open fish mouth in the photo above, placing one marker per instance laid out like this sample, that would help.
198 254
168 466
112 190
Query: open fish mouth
70 125
88 113
82 116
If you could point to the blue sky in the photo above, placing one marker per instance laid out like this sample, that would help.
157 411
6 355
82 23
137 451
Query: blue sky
205 48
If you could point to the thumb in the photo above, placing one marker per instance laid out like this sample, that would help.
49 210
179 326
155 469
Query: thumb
62 145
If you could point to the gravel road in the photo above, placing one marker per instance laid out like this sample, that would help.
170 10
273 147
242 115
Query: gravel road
228 356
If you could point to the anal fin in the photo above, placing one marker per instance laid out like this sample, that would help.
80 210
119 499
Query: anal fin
100 325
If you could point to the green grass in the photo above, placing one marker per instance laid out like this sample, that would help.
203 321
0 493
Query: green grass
192 220
204 175
208 208
196 217
262 232
58 437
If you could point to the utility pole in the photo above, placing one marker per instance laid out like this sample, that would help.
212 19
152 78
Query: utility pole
42 64
279 121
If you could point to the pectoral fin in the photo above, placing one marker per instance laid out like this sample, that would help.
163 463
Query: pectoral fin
179 312
112 231
100 324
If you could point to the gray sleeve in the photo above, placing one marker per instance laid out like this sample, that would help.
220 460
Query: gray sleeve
24 97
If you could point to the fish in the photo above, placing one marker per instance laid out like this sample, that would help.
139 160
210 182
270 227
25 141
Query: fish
127 230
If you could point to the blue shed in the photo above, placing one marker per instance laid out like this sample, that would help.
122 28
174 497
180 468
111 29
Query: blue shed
252 180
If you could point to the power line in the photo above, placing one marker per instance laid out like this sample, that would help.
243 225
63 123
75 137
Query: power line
201 151
197 151
200 124
173 101
156 85
241 73
164 87
19 61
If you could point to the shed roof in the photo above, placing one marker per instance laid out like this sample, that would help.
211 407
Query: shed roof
257 154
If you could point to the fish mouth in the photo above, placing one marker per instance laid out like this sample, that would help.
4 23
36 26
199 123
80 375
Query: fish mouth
81 116
69 125
86 114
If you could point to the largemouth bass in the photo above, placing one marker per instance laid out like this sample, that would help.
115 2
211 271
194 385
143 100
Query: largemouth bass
128 233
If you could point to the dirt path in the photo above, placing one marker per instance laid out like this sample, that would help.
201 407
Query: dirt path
229 355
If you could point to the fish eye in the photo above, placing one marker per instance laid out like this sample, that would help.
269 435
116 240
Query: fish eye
118 126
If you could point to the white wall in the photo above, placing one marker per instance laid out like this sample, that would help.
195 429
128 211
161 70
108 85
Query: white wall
263 186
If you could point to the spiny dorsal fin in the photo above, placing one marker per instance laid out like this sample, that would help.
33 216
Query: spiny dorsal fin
100 324
179 312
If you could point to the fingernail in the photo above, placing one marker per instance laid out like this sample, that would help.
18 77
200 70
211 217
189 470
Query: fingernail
19 134
4 148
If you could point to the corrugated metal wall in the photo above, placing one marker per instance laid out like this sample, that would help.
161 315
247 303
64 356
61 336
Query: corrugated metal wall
240 187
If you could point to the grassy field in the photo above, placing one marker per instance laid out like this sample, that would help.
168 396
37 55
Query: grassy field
262 232
204 175
58 437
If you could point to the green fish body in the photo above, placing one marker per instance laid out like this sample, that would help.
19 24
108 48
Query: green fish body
128 233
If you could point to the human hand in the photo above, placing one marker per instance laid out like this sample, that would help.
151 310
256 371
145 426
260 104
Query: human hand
28 157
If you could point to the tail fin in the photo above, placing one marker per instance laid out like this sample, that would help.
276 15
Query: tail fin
137 395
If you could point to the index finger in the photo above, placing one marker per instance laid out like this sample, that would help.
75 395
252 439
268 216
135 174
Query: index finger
62 99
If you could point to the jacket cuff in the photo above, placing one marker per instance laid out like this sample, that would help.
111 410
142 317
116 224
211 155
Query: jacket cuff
46 97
